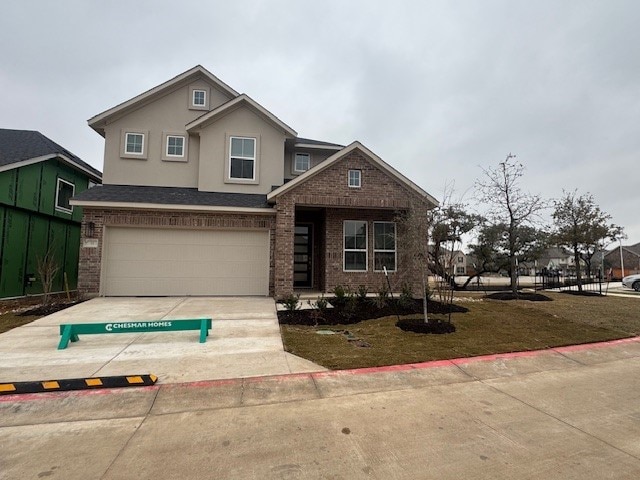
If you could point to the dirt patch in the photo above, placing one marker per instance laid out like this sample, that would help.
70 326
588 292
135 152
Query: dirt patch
348 313
44 310
531 297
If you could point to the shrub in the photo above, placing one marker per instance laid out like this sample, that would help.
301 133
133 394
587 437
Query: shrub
362 292
406 296
349 307
381 300
291 302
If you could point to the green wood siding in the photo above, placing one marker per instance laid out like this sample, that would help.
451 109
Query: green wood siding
29 223
38 240
28 193
16 226
8 181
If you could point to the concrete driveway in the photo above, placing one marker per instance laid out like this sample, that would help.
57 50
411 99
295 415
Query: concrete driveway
244 342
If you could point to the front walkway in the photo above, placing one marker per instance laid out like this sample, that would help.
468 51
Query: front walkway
244 342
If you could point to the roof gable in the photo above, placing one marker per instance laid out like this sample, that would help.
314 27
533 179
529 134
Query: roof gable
239 102
377 161
97 122
24 147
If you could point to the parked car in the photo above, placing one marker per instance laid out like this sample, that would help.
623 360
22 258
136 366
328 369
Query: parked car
632 281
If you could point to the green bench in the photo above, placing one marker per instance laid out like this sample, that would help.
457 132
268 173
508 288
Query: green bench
71 331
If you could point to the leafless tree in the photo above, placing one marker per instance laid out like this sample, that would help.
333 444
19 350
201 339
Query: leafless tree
47 267
510 208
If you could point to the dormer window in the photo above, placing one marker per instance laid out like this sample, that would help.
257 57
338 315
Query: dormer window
301 162
199 98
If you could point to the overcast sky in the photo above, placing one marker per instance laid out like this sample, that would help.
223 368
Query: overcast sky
436 88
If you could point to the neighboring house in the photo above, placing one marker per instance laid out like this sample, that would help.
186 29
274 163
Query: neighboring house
206 192
556 260
37 179
630 258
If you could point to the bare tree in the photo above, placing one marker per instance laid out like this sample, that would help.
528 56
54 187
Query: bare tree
583 228
511 210
47 267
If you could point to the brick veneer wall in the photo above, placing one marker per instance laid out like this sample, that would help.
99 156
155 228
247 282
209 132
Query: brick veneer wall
380 198
91 258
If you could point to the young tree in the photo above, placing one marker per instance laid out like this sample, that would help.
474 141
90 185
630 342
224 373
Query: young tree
47 267
512 211
413 229
583 228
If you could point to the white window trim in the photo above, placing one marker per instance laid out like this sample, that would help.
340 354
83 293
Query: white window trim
395 247
366 246
73 192
126 144
359 179
295 156
254 158
193 98
166 147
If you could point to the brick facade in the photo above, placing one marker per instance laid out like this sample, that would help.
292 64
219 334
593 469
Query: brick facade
91 258
381 197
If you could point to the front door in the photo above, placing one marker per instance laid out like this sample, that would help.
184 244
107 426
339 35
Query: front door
303 256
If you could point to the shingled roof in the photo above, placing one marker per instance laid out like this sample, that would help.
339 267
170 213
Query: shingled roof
18 146
132 194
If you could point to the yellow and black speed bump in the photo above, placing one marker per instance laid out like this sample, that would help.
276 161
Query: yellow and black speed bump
120 381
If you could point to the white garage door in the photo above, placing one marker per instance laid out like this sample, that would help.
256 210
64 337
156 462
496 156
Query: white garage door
157 262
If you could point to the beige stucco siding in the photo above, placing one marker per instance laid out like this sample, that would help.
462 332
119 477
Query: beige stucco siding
214 153
168 114
317 156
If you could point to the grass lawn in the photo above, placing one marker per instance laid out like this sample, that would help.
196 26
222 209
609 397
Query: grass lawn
490 326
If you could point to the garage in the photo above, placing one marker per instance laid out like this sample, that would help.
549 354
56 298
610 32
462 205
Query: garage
160 262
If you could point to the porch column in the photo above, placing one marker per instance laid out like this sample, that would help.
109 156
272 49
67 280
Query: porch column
285 227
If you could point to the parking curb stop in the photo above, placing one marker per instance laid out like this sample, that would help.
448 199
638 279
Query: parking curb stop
62 385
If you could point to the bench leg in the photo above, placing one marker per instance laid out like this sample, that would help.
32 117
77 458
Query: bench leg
204 331
66 336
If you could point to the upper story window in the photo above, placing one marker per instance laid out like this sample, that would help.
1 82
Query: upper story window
460 259
134 143
199 98
175 146
242 158
64 192
355 178
301 162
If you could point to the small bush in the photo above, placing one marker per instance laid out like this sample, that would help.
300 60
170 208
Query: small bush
406 296
349 308
362 292
320 304
340 292
381 300
291 302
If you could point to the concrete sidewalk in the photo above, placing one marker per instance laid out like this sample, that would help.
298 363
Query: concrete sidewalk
570 413
243 342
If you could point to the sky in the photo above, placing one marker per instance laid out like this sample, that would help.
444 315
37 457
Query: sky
438 89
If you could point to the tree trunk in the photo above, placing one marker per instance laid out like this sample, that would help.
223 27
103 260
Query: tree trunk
576 259
514 275
425 298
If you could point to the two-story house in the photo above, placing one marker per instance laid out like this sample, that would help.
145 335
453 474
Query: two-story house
38 177
206 192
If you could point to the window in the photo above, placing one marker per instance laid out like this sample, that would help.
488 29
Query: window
301 162
64 192
134 143
199 98
355 246
242 158
384 246
460 259
354 179
460 270
175 146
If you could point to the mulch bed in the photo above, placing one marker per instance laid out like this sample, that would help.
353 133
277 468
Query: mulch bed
417 325
531 297
359 310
